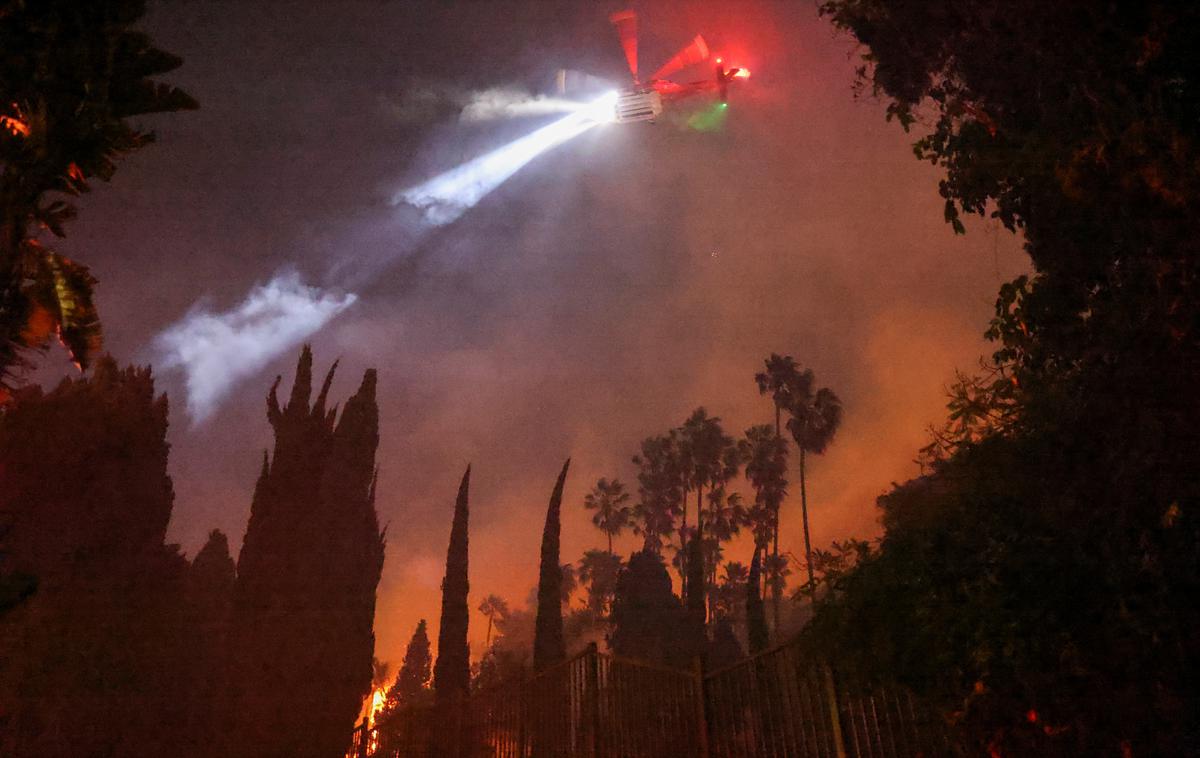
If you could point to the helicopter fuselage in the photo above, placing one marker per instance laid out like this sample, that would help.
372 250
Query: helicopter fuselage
637 104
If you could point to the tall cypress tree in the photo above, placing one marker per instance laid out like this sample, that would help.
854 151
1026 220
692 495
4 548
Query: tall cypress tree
548 645
304 605
452 672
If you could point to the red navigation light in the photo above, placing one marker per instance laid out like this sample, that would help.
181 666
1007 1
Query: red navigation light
718 60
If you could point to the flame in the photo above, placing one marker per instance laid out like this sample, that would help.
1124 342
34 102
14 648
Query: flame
15 125
374 705
378 698
743 73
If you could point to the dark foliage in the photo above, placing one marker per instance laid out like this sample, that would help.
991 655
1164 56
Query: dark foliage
71 76
411 686
208 614
648 619
608 499
303 637
661 489
1038 583
92 661
598 572
724 650
548 646
452 671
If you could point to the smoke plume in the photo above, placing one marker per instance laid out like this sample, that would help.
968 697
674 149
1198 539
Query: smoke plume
216 350
491 104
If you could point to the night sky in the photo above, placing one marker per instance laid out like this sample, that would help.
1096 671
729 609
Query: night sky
596 298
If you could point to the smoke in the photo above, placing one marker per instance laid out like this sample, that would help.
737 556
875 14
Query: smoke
447 196
216 350
492 104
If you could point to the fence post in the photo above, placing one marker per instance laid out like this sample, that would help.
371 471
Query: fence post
593 696
835 719
701 721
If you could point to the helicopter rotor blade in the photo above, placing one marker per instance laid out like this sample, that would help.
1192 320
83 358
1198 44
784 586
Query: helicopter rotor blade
626 23
695 52
569 81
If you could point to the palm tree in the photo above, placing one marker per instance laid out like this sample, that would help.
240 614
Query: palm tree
661 492
723 520
598 571
71 77
709 459
778 380
814 420
568 584
781 380
608 499
492 606
765 456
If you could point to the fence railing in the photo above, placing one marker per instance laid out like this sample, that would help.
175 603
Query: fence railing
780 703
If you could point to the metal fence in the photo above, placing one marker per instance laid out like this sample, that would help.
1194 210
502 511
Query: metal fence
783 703
778 704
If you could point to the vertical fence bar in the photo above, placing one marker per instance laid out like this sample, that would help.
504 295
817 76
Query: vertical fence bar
835 721
698 699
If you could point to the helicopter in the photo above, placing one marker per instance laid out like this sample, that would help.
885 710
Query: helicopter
645 101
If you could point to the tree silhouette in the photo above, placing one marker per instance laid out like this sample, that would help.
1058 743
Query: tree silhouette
410 689
93 662
648 620
695 592
412 681
661 489
709 459
724 516
765 453
612 515
71 76
813 420
730 601
303 643
492 606
509 656
725 650
548 646
568 584
1039 582
778 381
756 618
452 671
782 380
598 571
209 590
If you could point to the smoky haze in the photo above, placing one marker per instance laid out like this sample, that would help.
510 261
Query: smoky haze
605 290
